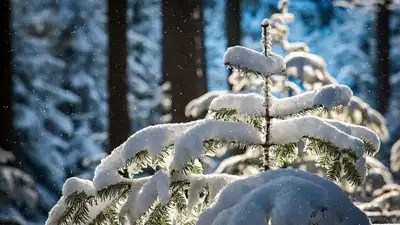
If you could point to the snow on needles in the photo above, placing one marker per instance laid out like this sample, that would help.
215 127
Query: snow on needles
358 131
288 196
106 173
245 58
214 182
251 104
190 145
71 185
155 188
199 105
154 139
329 96
293 129
56 212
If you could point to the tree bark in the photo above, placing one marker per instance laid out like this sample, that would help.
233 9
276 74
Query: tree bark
6 84
183 63
232 24
118 114
381 69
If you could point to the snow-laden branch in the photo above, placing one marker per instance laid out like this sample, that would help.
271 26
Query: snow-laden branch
156 188
370 138
294 129
288 196
200 105
153 140
329 96
190 145
106 173
248 60
250 104
68 208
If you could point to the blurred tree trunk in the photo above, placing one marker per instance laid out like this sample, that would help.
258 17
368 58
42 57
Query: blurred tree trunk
232 23
6 117
381 69
183 62
118 114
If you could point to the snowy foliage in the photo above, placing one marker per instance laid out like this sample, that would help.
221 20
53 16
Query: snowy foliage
285 196
118 193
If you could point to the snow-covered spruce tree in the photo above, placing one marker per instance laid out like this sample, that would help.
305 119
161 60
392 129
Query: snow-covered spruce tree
310 69
178 192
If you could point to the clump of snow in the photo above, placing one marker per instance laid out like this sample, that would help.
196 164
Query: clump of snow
72 185
190 145
357 131
56 212
155 188
289 195
199 105
154 139
293 129
241 57
333 95
214 182
106 173
251 104
329 96
75 184
128 207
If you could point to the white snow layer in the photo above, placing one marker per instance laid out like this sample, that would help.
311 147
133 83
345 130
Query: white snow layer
56 212
200 105
214 182
156 188
75 184
154 139
190 145
251 104
238 56
293 129
106 173
328 96
361 132
288 196
72 185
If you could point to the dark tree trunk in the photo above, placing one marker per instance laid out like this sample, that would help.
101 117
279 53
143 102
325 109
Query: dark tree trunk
118 115
232 23
183 53
381 69
6 117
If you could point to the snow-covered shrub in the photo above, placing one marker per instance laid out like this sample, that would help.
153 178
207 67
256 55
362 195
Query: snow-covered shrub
179 192
285 197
